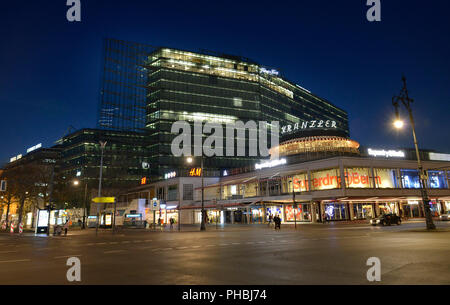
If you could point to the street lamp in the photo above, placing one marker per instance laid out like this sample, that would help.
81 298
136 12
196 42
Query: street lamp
202 224
76 183
406 101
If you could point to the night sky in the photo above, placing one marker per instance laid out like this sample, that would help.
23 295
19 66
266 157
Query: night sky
50 68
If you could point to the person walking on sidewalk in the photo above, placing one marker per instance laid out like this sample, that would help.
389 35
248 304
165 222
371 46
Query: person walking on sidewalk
66 227
270 219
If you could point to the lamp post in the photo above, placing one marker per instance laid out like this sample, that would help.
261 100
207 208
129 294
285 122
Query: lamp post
202 224
294 205
404 98
76 183
102 147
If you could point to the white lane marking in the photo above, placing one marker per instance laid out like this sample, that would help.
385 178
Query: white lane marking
137 241
8 251
90 244
210 245
113 242
250 242
195 246
113 251
16 261
64 256
236 243
100 243
182 248
261 242
165 249
223 244
147 240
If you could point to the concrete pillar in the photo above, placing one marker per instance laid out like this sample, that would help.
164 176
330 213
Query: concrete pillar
232 216
248 215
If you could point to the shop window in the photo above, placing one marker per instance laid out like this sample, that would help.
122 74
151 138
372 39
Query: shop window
410 178
358 177
437 179
385 178
325 179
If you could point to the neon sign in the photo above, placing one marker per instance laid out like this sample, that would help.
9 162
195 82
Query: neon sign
195 172
386 153
270 163
308 125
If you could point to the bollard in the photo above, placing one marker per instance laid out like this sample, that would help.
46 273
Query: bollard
12 228
20 228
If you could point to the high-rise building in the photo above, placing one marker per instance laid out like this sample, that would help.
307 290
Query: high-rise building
156 87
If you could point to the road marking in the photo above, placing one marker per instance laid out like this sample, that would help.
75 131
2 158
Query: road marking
113 242
137 241
166 249
182 248
250 242
261 242
90 244
147 240
100 243
8 251
210 245
195 246
223 244
64 256
236 243
126 242
16 261
114 251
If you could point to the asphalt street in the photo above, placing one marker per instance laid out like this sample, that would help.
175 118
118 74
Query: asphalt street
312 254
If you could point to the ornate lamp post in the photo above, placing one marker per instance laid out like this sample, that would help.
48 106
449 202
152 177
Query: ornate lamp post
404 98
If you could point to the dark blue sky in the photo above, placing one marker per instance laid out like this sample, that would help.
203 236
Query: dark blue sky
50 68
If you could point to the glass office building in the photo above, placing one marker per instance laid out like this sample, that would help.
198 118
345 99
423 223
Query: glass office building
208 87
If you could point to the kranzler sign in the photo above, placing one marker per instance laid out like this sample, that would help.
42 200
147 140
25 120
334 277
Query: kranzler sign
314 124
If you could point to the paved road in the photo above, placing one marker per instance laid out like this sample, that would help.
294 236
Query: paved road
313 254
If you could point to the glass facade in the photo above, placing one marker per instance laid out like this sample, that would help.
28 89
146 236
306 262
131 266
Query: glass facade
187 86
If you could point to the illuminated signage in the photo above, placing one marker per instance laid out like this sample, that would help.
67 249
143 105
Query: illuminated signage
143 180
386 153
272 163
145 165
314 124
439 157
170 175
271 71
3 186
225 173
134 215
195 172
15 158
34 147
108 220
355 178
42 218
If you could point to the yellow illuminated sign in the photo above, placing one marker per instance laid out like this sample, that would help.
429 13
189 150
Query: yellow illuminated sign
104 199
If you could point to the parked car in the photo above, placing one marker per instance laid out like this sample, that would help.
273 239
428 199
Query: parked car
386 220
445 216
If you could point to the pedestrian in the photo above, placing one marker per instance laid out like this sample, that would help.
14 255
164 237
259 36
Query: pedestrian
270 219
324 217
172 221
66 226
160 223
279 222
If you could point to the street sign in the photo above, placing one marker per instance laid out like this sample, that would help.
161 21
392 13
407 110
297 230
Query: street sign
104 199
155 205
